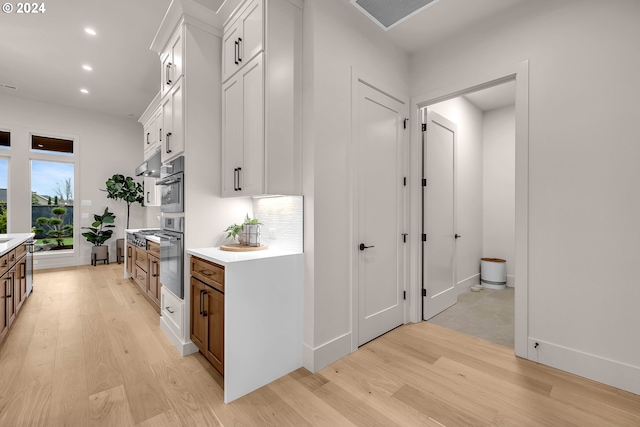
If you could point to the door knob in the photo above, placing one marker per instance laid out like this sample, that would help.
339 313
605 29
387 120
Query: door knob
363 247
457 236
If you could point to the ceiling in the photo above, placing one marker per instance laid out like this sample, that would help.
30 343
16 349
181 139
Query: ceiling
43 54
494 97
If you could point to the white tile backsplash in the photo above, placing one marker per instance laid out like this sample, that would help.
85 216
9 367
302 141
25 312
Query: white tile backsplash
282 221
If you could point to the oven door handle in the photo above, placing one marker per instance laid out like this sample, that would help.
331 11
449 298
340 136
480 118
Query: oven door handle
168 237
169 181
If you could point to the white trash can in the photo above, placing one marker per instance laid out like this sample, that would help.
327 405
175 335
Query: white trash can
493 273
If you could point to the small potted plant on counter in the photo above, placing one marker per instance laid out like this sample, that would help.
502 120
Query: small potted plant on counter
98 234
235 231
251 231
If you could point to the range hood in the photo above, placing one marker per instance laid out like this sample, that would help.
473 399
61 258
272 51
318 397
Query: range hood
151 167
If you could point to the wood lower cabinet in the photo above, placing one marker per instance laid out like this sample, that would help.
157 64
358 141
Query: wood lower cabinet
131 258
13 286
207 310
153 272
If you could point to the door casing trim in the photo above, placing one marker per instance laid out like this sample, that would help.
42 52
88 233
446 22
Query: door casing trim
520 73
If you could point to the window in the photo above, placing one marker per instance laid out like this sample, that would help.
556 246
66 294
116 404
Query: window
52 193
5 139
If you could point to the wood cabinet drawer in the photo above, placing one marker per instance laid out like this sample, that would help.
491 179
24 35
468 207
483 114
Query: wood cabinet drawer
141 258
153 248
208 272
4 263
21 251
140 276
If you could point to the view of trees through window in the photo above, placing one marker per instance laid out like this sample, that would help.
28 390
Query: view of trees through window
52 204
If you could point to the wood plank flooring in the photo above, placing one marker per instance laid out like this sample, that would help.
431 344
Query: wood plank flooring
87 350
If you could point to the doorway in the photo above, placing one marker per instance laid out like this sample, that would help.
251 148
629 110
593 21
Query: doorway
485 226
519 74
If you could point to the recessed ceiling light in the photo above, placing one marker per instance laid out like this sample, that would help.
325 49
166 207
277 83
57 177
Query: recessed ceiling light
84 91
87 67
90 31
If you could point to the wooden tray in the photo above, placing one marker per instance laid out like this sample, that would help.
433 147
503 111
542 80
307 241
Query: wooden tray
237 247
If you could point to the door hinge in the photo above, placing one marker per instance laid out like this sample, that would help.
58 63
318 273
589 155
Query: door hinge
424 182
424 127
404 181
404 294
404 123
424 292
404 237
424 237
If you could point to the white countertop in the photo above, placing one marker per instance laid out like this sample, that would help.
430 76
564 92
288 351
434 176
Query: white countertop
13 240
226 257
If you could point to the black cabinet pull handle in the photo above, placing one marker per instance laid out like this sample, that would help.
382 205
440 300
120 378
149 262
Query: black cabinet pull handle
169 65
203 313
239 171
168 141
236 51
363 247
457 236
160 132
235 179
10 287
148 138
169 310
239 49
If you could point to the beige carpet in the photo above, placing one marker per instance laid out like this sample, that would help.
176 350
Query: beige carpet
487 314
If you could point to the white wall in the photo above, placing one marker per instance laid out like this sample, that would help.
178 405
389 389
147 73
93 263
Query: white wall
499 184
583 212
336 38
469 167
106 145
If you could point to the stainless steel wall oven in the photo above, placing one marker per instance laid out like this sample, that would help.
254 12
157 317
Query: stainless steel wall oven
171 184
172 254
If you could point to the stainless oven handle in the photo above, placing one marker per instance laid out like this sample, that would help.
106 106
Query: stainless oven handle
168 237
169 181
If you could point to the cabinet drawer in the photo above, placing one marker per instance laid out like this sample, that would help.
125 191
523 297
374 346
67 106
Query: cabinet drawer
21 251
141 258
208 272
153 248
171 309
140 276
4 263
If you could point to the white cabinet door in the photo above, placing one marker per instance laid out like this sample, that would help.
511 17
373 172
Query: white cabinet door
173 123
152 132
243 39
243 132
172 62
151 192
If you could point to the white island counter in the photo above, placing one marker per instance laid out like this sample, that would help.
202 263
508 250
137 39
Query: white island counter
263 315
11 241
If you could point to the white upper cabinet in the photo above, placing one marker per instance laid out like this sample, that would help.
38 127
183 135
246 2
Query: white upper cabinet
243 38
261 100
172 60
151 192
243 131
172 106
152 131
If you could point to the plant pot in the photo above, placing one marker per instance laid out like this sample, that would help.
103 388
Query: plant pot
99 253
251 234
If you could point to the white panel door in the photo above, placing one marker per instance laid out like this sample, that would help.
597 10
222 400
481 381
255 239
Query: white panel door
380 213
439 215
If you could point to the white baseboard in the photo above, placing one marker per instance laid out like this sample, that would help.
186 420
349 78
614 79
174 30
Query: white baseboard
465 284
314 359
184 349
606 371
511 281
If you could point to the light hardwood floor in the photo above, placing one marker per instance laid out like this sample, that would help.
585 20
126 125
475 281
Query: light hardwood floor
86 350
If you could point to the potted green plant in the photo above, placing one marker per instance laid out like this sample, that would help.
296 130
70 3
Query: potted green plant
99 232
124 188
234 231
251 231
